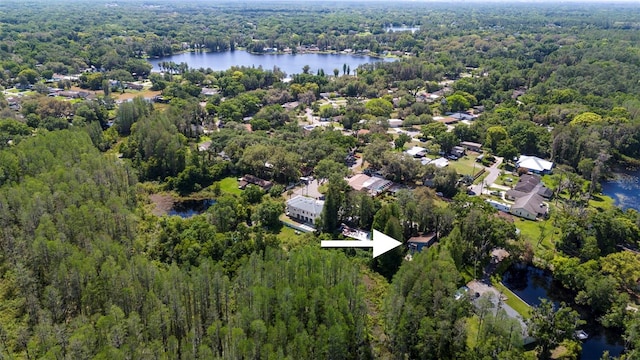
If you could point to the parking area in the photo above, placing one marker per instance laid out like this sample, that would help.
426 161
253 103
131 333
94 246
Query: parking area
310 189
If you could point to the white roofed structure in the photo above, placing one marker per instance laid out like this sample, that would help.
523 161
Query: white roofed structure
439 162
304 208
416 151
535 164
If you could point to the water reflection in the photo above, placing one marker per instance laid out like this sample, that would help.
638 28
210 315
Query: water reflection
624 188
532 284
189 208
289 63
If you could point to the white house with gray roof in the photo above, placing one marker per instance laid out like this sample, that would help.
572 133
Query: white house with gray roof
304 209
530 206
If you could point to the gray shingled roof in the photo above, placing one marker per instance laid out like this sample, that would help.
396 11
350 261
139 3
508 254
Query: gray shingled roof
532 202
527 183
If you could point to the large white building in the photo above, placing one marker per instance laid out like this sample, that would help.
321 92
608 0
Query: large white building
535 164
304 209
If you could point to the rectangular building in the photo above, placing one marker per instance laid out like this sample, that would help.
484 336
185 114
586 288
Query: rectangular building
304 209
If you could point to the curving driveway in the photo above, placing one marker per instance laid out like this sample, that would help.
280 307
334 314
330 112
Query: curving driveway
492 176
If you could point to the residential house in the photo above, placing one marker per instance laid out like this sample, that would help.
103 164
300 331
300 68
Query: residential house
534 164
417 243
528 184
499 205
204 146
439 162
357 181
74 94
14 103
133 86
290 105
374 185
517 93
463 116
304 209
530 207
254 180
447 120
208 91
355 233
458 151
471 146
395 123
417 151
529 195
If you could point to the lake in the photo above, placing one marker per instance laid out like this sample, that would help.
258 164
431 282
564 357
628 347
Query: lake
289 63
189 208
401 28
624 188
531 284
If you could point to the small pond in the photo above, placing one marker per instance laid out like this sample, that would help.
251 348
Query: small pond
624 188
402 28
531 284
189 208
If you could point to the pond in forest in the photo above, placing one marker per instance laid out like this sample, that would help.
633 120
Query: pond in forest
189 208
624 188
402 28
532 284
289 63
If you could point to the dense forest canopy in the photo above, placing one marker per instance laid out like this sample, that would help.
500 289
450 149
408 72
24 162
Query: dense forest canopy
94 141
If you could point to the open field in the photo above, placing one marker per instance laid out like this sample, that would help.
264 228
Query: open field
466 165
230 185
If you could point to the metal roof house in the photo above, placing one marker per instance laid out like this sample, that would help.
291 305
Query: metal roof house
535 164
471 146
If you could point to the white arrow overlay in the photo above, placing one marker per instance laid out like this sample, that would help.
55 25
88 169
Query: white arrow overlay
380 243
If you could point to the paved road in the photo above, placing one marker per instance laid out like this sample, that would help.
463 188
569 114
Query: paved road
497 299
309 113
492 176
357 165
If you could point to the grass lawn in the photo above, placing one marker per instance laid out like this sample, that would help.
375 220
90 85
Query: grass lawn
230 185
528 228
466 165
601 202
531 231
287 235
481 178
514 301
504 180
290 240
473 326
